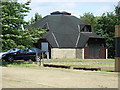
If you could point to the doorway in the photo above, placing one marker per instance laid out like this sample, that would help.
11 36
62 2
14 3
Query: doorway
44 46
94 50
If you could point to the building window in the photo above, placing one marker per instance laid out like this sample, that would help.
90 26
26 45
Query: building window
46 26
86 45
87 28
44 46
102 45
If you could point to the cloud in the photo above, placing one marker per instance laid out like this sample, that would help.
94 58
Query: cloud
39 1
102 10
46 8
75 7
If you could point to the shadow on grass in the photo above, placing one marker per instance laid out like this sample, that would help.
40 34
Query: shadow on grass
110 71
24 64
5 64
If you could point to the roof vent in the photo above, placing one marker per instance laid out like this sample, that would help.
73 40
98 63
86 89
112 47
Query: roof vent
58 13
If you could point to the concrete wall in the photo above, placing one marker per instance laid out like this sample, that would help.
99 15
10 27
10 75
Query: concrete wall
66 53
80 53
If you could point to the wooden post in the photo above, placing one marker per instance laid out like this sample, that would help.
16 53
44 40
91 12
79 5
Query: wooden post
42 60
38 59
117 48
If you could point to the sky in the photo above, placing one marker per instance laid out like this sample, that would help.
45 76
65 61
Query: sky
75 7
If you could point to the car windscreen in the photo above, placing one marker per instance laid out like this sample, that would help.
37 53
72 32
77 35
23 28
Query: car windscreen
39 51
13 50
34 49
30 50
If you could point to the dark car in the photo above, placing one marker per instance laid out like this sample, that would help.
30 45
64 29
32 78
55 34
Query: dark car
23 54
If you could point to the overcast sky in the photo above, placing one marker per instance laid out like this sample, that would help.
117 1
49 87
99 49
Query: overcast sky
75 7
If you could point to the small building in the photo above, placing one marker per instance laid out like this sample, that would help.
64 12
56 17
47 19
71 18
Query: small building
69 37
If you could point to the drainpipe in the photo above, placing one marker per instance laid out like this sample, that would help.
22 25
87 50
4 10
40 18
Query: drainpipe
106 53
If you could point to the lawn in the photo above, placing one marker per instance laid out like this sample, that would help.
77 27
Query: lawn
19 64
81 59
104 64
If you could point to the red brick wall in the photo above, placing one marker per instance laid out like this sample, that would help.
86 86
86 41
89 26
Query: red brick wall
102 53
86 52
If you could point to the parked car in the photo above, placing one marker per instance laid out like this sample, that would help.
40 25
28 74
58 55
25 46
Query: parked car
22 54
1 53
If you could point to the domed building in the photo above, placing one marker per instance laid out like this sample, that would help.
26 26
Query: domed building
69 37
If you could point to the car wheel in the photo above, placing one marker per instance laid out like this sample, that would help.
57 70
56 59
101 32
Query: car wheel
10 59
26 59
36 59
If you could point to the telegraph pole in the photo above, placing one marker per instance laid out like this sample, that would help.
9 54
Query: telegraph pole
117 48
117 43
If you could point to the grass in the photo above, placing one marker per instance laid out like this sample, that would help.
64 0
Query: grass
23 65
3 63
64 59
18 64
97 63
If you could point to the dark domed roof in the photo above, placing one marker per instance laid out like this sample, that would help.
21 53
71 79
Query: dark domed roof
58 12
64 30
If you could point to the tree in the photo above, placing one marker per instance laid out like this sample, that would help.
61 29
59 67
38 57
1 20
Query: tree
37 17
12 17
28 37
105 27
13 14
117 11
89 18
34 19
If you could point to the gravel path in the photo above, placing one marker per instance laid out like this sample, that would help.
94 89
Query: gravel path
40 77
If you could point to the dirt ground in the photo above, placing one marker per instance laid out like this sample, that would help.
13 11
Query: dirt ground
41 77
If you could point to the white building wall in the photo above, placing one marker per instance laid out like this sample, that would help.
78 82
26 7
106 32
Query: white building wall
66 53
80 53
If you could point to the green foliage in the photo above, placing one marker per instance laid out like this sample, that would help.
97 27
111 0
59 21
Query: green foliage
24 38
117 11
7 44
13 14
35 18
12 17
88 18
30 36
105 26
